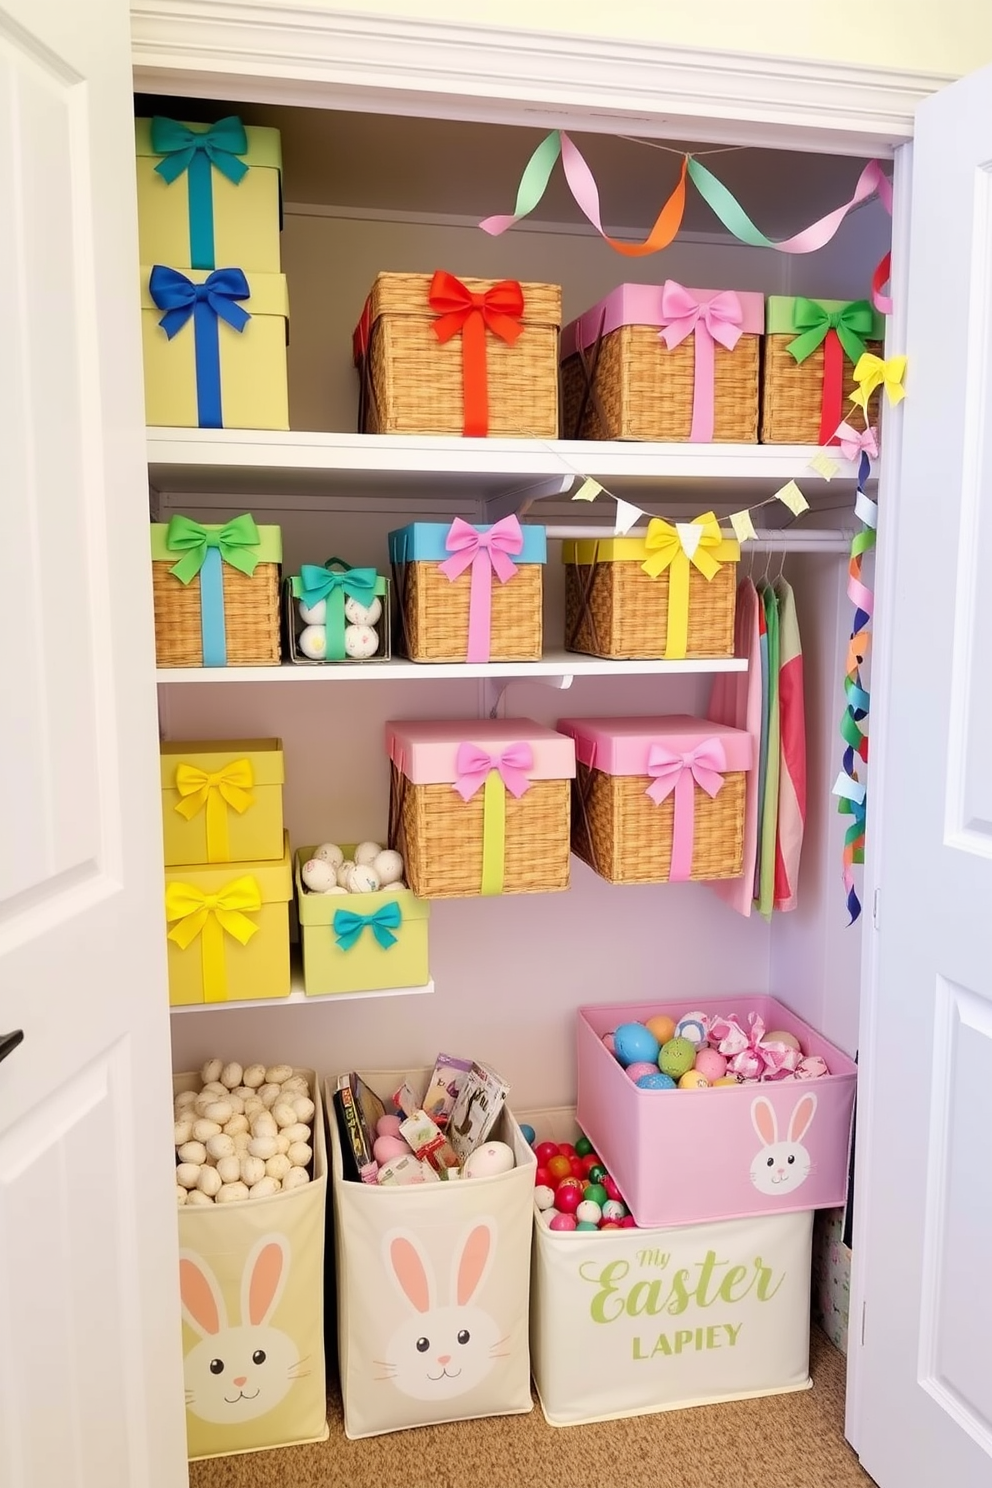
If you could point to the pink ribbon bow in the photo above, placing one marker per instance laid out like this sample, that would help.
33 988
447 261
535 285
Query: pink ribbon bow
472 766
853 441
719 319
488 552
679 773
750 1055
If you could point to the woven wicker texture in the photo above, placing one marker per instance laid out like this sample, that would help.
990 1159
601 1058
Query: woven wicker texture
644 391
251 617
434 613
440 837
619 831
792 393
416 383
618 611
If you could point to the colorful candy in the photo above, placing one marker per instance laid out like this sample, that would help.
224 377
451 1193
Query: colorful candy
566 1201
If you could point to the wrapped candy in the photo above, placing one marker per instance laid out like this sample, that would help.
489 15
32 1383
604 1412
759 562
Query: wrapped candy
750 1054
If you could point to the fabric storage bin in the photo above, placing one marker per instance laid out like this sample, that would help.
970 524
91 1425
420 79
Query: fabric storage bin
666 594
629 1322
251 1279
208 194
360 942
468 593
659 800
729 1133
216 360
832 1277
480 806
665 363
221 800
229 935
429 1261
215 588
811 350
337 598
440 355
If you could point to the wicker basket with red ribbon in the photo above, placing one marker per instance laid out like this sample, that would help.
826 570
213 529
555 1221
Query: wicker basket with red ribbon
811 350
441 355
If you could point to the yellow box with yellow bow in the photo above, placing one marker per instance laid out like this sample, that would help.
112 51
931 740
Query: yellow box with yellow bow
228 930
222 800
668 594
361 942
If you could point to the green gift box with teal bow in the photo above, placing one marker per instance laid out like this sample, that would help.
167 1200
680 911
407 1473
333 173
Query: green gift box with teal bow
811 349
326 590
209 195
360 942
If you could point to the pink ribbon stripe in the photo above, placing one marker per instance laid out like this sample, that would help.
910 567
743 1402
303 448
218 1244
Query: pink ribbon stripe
719 319
472 766
487 553
680 773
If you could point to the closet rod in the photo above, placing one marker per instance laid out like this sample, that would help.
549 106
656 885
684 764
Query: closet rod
788 540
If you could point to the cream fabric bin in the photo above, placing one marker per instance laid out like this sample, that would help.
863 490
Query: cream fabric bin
431 1262
252 1280
630 1322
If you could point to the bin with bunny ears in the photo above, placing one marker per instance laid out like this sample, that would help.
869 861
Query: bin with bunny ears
433 1284
775 1146
251 1279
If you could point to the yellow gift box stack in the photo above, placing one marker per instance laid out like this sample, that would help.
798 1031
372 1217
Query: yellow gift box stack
228 873
214 306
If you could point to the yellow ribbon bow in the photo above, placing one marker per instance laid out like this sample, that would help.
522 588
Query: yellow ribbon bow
209 916
229 786
872 372
672 548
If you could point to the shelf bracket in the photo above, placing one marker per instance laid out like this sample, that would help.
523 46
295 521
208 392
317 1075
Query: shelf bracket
492 689
517 499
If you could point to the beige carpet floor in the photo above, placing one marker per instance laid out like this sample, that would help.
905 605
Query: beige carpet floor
783 1441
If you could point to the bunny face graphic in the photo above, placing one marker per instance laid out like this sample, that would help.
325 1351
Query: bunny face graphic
441 1351
781 1167
236 1374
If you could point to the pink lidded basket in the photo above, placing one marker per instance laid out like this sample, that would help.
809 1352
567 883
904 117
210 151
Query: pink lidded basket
688 1156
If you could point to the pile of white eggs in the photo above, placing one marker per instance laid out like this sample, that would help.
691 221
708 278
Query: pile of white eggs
245 1134
372 869
361 639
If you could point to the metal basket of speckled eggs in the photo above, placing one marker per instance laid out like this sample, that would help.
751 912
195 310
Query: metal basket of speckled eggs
337 615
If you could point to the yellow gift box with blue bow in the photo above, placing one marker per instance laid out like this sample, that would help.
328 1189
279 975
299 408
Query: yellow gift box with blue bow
227 928
222 801
360 942
669 593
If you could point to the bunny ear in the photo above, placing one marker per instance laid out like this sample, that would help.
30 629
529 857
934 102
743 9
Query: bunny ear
802 1117
263 1279
203 1305
473 1260
764 1121
409 1268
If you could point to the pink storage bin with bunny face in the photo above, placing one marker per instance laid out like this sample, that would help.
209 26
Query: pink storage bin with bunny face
433 1284
688 1156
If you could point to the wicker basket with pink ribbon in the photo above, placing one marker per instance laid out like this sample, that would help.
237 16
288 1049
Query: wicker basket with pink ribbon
663 362
659 800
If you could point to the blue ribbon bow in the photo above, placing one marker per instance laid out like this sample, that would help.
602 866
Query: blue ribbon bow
348 926
214 299
196 151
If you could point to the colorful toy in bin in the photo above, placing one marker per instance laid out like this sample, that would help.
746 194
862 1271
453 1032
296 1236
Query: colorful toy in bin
337 613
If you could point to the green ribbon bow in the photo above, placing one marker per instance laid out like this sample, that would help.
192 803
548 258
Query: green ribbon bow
235 540
222 143
851 323
330 584
348 926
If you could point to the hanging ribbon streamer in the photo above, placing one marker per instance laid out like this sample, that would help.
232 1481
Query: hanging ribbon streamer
728 209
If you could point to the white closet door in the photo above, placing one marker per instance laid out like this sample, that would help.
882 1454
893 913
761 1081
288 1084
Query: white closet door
90 1367
923 1245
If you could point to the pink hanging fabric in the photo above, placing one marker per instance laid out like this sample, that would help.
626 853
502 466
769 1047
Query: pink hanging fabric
792 776
736 700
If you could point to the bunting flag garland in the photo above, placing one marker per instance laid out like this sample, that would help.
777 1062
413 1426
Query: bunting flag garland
627 514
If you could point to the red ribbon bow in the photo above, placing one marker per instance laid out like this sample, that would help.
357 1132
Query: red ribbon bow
459 308
488 552
473 764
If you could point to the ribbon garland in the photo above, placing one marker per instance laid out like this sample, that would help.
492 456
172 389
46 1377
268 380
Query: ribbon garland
495 774
702 766
537 172
348 925
498 309
332 585
198 153
211 916
204 549
216 791
488 552
212 301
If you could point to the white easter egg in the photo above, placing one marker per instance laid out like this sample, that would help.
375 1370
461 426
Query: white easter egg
318 875
236 1101
229 1169
296 1082
488 1160
192 1152
283 1113
389 866
295 1178
360 642
264 1188
345 871
360 614
300 1154
235 1125
183 1099
544 1197
197 1196
264 1125
187 1174
303 1106
299 1132
181 1194
329 852
253 1105
283 1142
363 879
232 1193
209 1182
335 889
241 1143
182 1131
204 1129
211 1070
277 1167
254 1076
312 642
277 1073
314 614
263 1147
269 1093
230 1075
394 888
252 1170
220 1146
220 1111
366 852
216 1089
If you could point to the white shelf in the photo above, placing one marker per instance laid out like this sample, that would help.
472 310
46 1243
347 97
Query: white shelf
556 664
297 996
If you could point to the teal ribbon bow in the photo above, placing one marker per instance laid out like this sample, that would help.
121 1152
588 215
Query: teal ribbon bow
851 323
330 584
197 152
235 540
348 926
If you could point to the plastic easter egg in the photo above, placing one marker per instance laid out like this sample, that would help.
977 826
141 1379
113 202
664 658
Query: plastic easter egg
317 875
559 1167
609 1224
609 1042
597 1172
542 1178
589 1210
386 1147
641 1067
545 1150
363 879
578 1171
662 1026
489 1160
544 1197
658 1080
388 1126
583 1224
563 1222
611 1187
312 642
678 1055
711 1063
633 1042
628 1222
389 866
726 1080
567 1200
327 852
693 1080
597 1194
528 1133
693 1028
566 1149
590 1161
614 1209
780 1036
571 1182
583 1147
